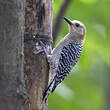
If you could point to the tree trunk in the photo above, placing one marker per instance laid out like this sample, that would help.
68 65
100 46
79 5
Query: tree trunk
11 60
38 22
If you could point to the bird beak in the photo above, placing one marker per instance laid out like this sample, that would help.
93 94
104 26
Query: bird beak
68 21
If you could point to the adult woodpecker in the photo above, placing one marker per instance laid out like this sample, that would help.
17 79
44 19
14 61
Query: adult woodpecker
66 54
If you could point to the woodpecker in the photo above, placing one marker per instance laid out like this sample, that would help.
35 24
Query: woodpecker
65 56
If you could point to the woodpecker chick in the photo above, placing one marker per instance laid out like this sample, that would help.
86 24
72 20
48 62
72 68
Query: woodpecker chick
66 54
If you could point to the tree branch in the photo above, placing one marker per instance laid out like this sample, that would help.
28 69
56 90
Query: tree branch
58 20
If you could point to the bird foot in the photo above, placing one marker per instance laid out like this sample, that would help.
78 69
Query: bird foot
40 47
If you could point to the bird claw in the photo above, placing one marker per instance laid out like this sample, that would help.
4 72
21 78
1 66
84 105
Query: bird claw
49 58
40 47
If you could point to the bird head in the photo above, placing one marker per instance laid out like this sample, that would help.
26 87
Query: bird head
77 28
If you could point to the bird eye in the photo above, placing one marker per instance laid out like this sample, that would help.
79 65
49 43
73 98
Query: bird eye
77 24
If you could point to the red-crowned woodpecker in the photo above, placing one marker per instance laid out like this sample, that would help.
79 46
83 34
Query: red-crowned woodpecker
65 56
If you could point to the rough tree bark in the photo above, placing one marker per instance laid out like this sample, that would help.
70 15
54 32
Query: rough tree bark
11 60
38 22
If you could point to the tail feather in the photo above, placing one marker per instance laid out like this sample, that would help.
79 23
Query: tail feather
49 90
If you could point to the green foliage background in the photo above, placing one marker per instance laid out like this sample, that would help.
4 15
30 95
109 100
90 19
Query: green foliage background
85 88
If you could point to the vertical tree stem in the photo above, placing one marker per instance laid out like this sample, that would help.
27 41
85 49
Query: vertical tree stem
36 69
11 57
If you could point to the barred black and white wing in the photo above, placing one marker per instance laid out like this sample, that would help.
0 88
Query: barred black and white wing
68 58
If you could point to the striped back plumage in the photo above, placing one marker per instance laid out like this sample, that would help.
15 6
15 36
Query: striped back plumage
68 58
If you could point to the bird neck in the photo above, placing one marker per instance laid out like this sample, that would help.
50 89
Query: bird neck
75 37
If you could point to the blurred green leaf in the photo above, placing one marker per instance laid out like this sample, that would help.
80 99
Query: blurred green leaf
89 78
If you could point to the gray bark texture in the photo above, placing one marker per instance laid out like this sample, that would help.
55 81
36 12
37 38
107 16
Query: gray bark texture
11 59
36 69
